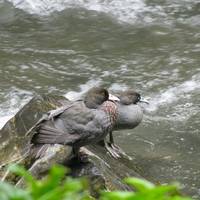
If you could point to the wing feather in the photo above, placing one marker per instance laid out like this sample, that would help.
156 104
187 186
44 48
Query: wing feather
75 125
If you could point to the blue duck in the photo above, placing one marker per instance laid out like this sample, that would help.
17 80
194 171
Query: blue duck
80 123
130 114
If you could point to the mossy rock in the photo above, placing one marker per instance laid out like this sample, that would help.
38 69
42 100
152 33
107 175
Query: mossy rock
14 140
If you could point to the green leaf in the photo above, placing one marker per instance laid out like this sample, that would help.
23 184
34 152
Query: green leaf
116 195
49 183
10 192
139 184
21 171
164 190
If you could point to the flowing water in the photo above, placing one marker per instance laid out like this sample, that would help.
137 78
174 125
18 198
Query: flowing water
67 46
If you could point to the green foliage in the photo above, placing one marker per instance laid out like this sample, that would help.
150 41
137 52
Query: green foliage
56 187
145 191
53 187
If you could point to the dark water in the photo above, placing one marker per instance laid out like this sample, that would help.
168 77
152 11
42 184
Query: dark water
152 46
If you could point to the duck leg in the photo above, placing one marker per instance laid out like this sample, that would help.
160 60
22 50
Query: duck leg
116 148
110 150
113 145
115 151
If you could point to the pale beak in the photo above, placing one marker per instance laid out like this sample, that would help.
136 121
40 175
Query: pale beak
113 98
143 100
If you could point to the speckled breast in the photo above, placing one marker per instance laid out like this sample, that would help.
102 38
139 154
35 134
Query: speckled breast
111 109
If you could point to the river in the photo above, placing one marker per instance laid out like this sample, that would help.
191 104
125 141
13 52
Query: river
67 46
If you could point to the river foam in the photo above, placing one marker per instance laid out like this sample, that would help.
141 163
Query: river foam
126 10
75 95
174 94
15 99
175 104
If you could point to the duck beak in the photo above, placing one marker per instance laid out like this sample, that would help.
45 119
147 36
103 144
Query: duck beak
113 98
143 100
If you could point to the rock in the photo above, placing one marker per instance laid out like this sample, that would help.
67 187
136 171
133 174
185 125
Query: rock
13 139
102 170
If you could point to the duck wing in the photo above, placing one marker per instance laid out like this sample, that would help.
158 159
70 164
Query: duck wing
51 135
75 125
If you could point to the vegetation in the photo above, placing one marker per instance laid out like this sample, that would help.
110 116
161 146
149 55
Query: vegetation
57 187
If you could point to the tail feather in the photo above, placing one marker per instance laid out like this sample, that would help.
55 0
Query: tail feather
51 135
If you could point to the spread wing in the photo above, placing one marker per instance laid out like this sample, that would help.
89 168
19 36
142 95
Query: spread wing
75 125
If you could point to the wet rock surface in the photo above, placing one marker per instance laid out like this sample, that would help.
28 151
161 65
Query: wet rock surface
102 170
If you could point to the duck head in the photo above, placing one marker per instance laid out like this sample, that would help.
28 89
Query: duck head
129 97
96 96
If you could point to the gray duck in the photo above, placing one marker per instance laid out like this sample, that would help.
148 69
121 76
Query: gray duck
130 114
80 123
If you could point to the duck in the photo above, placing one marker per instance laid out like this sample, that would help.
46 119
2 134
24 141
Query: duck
130 115
80 123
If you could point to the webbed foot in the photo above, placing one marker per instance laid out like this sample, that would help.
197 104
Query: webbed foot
112 151
118 151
